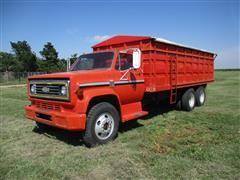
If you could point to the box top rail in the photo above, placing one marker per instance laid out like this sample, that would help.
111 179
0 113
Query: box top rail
125 39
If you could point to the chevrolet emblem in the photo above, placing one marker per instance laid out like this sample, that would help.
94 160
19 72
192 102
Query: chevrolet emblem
45 89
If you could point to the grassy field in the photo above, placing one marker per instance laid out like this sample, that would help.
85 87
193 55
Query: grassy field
169 144
13 82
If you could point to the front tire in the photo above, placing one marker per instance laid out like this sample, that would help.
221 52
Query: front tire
188 100
102 124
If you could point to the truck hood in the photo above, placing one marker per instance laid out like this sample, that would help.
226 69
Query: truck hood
62 75
79 76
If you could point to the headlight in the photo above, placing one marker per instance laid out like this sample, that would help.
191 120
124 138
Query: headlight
63 90
33 88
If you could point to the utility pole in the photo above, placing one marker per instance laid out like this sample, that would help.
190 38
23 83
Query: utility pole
68 64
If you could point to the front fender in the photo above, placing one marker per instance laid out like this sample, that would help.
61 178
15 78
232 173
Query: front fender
89 93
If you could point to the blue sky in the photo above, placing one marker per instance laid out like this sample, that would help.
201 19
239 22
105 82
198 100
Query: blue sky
74 26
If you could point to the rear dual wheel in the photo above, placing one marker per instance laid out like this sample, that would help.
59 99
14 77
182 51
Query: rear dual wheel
192 98
200 96
188 100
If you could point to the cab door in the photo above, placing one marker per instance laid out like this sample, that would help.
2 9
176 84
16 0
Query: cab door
129 82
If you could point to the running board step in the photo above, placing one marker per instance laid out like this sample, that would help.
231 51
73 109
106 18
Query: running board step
135 115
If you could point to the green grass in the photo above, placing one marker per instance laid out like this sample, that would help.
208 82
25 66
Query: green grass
203 144
13 82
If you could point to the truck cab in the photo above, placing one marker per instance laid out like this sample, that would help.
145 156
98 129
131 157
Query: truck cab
101 89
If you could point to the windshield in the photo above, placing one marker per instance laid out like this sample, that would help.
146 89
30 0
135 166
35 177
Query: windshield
101 60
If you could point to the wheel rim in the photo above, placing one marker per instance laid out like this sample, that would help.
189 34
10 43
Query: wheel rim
104 126
191 100
202 97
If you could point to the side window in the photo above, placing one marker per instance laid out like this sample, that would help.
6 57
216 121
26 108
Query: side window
124 61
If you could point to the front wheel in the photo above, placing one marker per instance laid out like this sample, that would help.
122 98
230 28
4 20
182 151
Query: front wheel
102 124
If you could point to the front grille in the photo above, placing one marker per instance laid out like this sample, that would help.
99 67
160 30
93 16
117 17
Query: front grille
48 106
49 88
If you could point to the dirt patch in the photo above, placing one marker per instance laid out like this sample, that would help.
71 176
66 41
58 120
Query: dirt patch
11 86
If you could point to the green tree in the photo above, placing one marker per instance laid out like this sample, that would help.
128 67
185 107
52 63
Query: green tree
73 58
50 62
27 60
62 64
8 62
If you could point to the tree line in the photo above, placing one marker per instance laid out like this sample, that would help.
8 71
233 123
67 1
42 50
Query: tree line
23 59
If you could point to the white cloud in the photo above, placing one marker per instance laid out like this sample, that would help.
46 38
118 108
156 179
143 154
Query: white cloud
99 38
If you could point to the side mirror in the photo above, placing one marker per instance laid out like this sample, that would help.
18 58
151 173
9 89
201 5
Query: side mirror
136 58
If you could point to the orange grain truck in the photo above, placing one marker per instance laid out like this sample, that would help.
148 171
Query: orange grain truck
108 86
